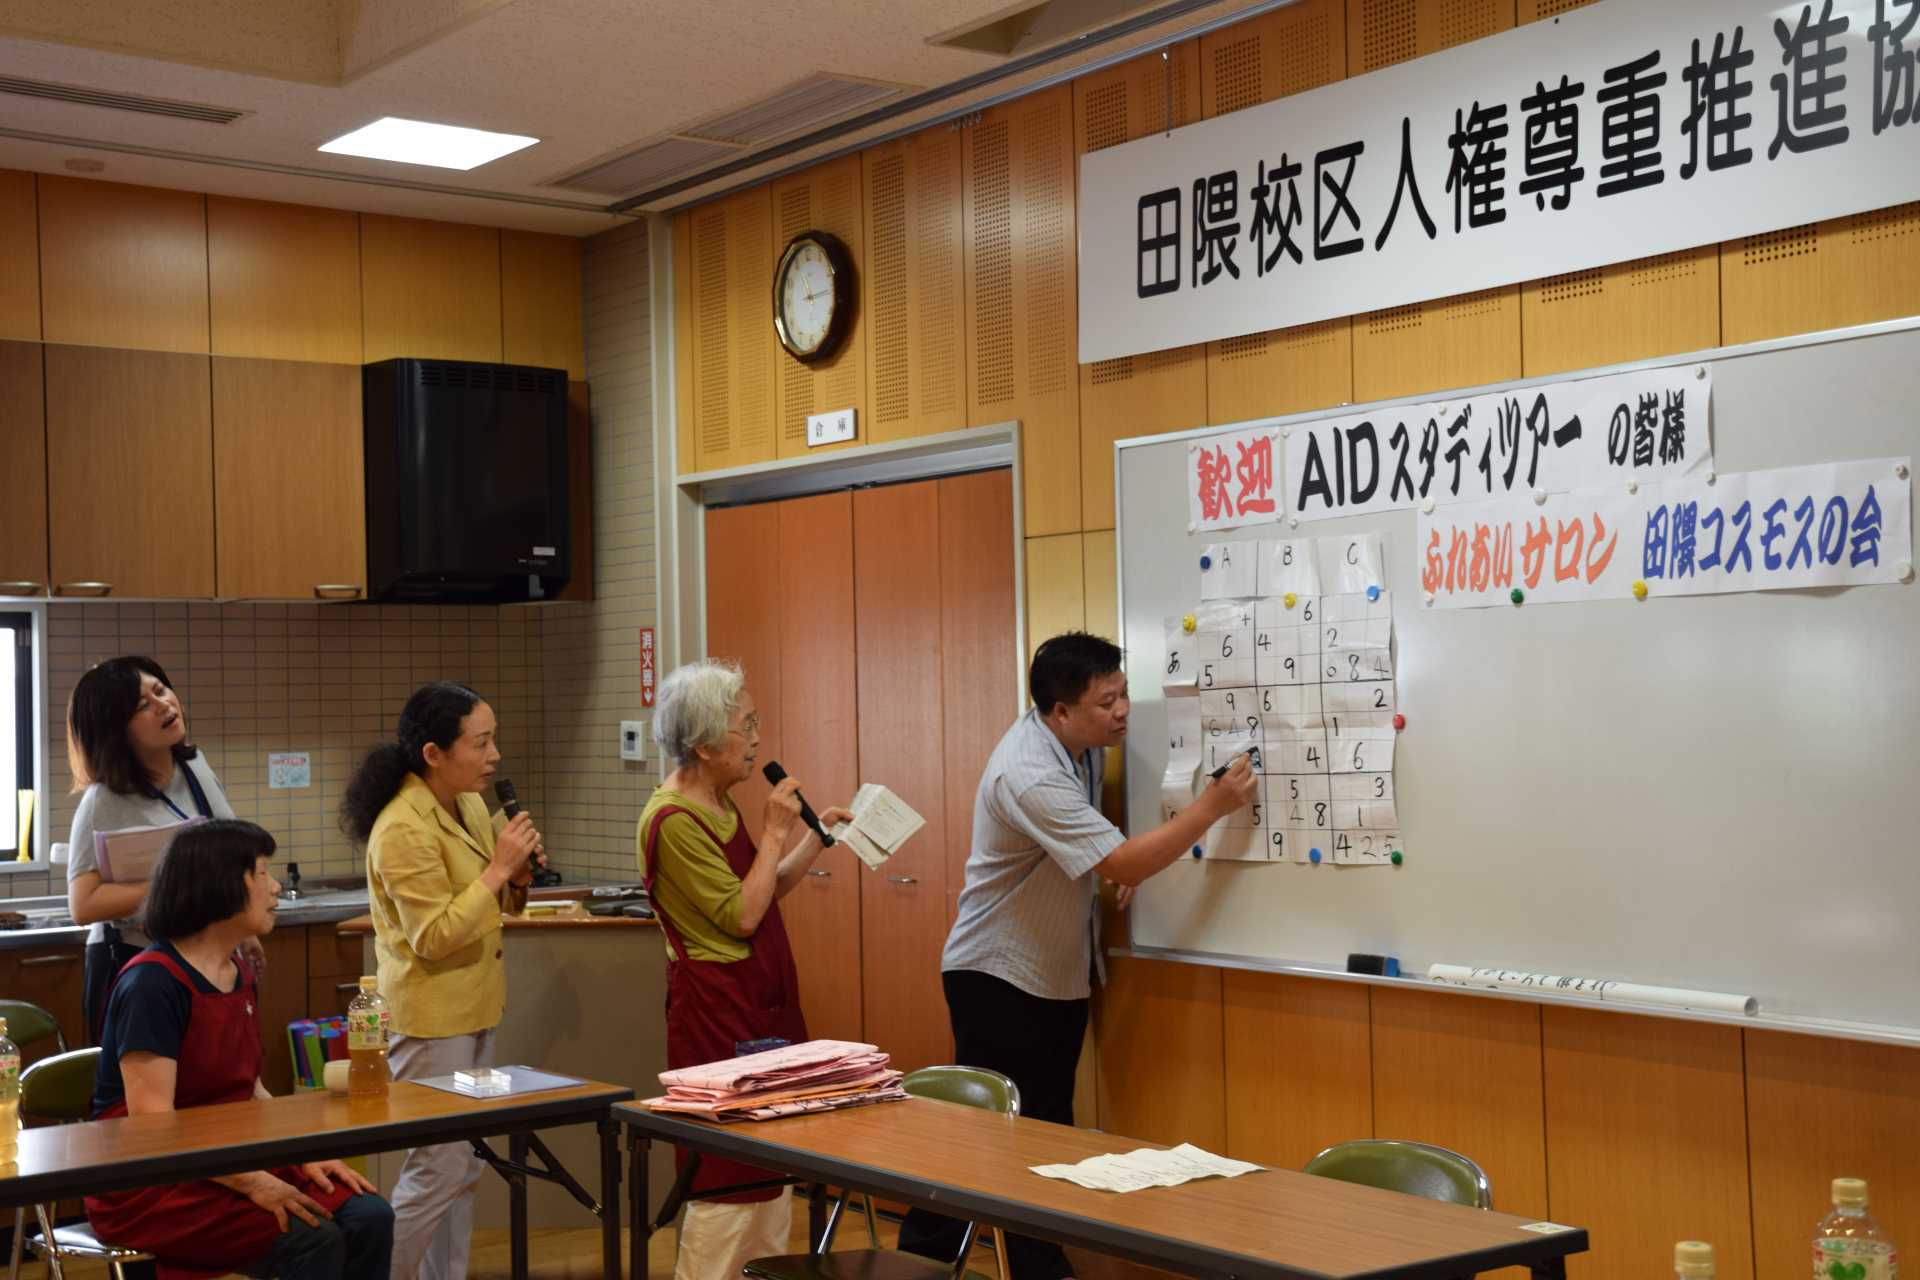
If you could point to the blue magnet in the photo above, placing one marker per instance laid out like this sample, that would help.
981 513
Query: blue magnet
1313 856
1196 851
1373 593
1206 562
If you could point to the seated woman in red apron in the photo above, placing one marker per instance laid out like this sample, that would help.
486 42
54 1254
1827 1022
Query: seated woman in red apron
182 1029
716 891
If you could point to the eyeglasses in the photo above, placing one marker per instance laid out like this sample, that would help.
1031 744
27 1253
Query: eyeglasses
747 729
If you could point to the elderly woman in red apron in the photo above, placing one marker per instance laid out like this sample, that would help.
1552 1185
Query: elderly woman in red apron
182 1029
716 890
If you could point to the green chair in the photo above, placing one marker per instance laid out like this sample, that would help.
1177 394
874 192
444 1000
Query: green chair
968 1086
27 1025
60 1089
1413 1167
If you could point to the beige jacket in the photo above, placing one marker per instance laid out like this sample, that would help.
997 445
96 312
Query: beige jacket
436 926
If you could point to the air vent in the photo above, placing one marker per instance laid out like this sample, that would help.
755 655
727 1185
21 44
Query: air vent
818 100
118 101
655 162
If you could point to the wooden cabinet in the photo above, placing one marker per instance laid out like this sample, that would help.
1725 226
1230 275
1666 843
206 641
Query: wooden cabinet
129 472
825 198
52 977
332 954
429 289
283 999
913 284
1022 303
284 281
23 487
1158 390
19 257
288 480
540 292
123 266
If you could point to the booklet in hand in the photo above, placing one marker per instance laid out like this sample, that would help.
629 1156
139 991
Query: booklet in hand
131 855
882 822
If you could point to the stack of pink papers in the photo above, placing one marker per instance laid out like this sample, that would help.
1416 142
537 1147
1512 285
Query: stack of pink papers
819 1075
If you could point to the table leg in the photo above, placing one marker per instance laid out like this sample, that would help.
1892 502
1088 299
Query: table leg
517 1205
638 1149
816 1216
610 1200
1550 1269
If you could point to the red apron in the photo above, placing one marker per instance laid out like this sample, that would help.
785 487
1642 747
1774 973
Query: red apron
199 1229
714 1005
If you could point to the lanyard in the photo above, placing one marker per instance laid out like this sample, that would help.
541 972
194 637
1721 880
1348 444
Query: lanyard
193 785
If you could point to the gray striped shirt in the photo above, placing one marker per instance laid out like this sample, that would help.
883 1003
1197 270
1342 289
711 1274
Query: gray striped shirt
1027 909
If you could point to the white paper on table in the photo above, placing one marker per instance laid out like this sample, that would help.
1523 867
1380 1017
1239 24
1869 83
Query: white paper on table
1291 565
1147 1167
1231 571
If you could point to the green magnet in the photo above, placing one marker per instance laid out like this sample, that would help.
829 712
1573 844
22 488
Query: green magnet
1516 595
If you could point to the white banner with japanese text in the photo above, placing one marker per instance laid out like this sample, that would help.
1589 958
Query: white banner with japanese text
1832 525
1608 133
1231 480
1571 435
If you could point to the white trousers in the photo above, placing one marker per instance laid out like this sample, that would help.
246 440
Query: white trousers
717 1240
433 1197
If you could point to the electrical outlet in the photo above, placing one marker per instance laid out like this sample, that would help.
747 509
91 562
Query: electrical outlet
633 740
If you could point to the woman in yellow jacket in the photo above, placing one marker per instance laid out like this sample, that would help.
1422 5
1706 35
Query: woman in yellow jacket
435 874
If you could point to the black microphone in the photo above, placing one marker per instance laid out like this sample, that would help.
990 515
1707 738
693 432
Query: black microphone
510 805
776 775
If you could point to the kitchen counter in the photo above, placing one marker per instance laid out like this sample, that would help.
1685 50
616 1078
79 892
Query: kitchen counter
49 925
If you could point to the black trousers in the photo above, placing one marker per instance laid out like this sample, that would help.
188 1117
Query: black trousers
1036 1042
102 962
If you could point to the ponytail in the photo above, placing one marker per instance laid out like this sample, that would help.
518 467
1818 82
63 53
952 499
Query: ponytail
433 714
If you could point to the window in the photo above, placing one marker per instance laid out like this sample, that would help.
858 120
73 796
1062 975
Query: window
16 730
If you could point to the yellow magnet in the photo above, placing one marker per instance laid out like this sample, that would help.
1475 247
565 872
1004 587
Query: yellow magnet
1187 623
1289 598
1639 590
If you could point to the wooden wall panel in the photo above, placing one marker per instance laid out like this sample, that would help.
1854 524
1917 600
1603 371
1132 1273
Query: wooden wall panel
429 289
685 460
283 281
1383 32
978 657
1818 1109
1647 1130
904 906
1822 275
540 302
1262 375
19 257
1627 311
1298 1074
743 624
914 287
817 624
289 480
734 348
579 588
1162 1068
123 266
1465 1074
825 198
147 539
1102 585
1022 300
1534 10
1463 341
1159 390
23 485
1056 587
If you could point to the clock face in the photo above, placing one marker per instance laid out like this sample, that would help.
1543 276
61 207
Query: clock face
807 298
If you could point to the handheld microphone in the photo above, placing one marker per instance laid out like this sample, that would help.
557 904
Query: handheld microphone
776 775
510 805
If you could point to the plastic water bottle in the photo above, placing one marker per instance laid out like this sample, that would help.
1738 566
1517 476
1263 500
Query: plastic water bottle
367 1021
1693 1260
9 1097
1848 1244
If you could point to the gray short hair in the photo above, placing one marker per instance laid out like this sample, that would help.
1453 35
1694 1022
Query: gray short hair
693 707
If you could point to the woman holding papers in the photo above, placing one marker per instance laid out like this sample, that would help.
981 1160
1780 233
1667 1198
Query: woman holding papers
127 746
183 1030
730 973
435 875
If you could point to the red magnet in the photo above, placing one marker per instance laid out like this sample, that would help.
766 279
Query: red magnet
1399 721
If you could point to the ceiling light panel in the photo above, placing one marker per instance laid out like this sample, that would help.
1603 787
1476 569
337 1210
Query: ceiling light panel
443 146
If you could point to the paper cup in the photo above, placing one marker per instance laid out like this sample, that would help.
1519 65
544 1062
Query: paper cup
335 1075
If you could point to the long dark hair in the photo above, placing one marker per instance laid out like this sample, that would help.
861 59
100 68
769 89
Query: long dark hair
433 714
202 880
98 713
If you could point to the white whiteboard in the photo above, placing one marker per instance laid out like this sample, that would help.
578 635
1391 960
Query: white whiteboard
1716 792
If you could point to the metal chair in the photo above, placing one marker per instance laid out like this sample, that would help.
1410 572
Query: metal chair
27 1025
968 1086
60 1089
1416 1168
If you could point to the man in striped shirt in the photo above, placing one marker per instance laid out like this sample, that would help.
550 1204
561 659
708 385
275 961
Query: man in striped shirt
1018 965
